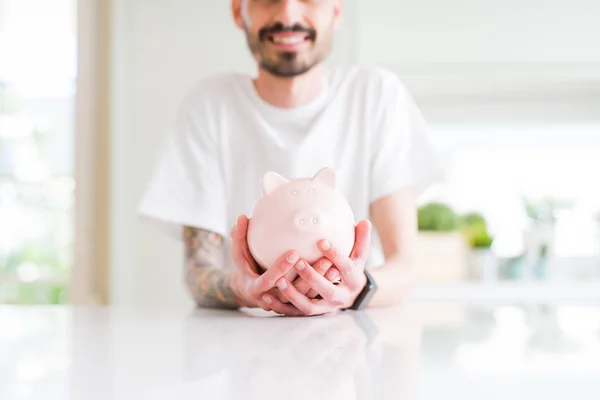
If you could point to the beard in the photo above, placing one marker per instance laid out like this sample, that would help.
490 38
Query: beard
287 64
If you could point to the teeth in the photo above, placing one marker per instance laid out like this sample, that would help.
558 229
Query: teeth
288 39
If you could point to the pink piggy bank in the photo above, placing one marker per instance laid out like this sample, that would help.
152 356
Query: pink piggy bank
295 215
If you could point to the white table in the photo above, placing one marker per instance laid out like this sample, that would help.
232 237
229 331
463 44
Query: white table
420 351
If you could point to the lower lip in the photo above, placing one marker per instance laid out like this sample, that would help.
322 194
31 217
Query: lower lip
290 46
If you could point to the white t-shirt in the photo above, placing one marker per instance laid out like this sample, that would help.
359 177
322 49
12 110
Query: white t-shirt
364 125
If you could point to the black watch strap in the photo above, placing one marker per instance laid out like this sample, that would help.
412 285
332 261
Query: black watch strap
365 295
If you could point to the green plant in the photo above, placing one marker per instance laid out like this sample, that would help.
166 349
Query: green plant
437 217
474 227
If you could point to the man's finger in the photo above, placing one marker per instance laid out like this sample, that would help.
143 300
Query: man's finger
267 280
362 241
319 283
359 253
333 275
238 255
240 230
239 245
275 292
240 239
303 303
301 285
272 303
343 263
321 267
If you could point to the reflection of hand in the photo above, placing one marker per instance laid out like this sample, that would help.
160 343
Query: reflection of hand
304 358
297 358
334 296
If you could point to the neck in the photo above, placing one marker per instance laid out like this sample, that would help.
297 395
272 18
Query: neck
290 92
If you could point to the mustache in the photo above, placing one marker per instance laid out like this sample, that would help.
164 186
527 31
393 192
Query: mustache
280 28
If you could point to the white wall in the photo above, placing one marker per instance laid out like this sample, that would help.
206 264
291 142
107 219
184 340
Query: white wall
164 45
161 47
485 31
489 61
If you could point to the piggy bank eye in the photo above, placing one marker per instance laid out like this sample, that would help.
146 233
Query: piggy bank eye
294 192
301 221
315 220
311 191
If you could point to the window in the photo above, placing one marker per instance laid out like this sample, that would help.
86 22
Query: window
535 187
38 41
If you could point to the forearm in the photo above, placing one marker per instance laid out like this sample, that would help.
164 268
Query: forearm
395 281
207 282
395 218
210 288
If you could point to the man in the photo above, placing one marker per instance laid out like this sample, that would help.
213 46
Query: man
294 118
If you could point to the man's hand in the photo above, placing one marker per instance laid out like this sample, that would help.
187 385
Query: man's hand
323 267
250 287
334 296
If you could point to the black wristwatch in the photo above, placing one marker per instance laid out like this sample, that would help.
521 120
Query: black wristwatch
365 295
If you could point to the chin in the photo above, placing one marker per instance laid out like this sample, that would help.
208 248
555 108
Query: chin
286 70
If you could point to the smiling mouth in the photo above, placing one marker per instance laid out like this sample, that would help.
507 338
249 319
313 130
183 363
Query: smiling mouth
287 39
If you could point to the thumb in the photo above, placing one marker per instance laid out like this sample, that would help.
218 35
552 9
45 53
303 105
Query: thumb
362 240
239 245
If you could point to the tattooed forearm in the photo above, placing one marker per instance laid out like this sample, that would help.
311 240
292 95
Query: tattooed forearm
205 279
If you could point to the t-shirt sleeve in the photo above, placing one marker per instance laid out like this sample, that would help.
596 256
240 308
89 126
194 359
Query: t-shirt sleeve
402 152
186 186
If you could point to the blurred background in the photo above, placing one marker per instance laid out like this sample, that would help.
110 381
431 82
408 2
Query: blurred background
511 92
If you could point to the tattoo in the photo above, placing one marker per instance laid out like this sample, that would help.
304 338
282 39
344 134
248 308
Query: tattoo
205 279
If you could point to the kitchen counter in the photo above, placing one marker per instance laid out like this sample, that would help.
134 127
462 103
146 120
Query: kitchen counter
424 350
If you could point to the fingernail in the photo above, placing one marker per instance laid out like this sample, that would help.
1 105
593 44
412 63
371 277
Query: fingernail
334 276
282 284
292 258
267 299
325 245
300 266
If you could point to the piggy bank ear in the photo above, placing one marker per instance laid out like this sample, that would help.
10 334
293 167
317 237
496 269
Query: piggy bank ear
325 175
271 181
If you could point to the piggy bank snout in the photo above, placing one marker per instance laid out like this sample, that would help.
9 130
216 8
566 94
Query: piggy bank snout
308 220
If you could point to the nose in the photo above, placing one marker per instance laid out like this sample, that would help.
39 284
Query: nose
289 12
308 220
